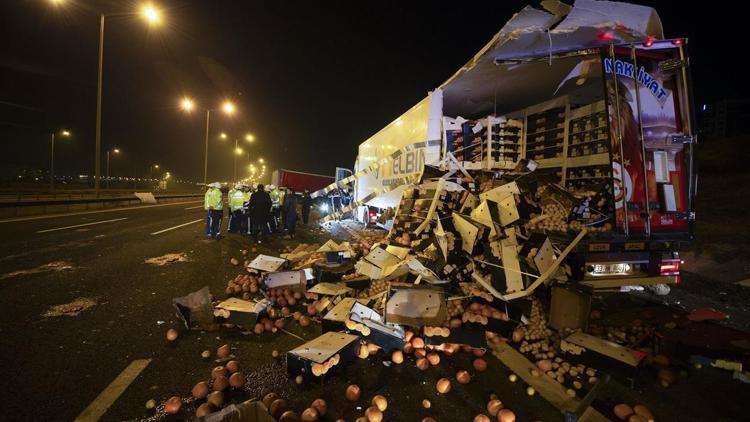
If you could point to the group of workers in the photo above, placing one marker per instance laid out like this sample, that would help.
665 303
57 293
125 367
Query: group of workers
267 210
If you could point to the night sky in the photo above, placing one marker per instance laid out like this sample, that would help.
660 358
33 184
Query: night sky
311 80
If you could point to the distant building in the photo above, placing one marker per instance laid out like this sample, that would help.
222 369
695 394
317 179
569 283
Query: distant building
725 118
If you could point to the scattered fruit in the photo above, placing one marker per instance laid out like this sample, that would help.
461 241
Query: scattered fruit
494 406
200 390
216 399
443 385
380 402
223 351
321 406
172 405
353 392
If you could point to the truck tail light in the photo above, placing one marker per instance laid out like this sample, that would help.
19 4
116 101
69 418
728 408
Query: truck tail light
670 267
649 41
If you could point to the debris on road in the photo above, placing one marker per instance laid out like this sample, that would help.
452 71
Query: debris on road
52 266
71 309
167 259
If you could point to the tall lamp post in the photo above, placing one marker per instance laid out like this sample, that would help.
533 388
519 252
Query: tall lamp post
65 134
153 16
237 152
114 151
188 104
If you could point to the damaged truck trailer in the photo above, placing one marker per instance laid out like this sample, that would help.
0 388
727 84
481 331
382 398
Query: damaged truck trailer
594 120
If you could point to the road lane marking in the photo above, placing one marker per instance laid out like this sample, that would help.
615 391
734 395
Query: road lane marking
192 208
81 225
70 214
177 227
109 395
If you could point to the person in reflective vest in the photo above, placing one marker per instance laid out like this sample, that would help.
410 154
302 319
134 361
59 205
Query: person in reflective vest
214 205
274 220
290 212
246 216
236 200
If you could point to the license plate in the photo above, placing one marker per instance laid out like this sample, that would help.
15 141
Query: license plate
611 269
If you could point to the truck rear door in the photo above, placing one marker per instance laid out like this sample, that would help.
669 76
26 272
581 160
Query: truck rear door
651 129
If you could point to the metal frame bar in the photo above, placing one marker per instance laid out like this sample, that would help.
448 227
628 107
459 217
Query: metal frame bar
622 150
641 139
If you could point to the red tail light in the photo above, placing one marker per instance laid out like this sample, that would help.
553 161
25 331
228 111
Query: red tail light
670 267
649 41
677 41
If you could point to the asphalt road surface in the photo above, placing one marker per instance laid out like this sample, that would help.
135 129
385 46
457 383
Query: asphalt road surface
56 366
63 362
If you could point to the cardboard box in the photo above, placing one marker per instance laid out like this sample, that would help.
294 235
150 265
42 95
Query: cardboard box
322 355
335 319
293 280
370 326
330 289
241 312
359 283
195 310
249 411
467 336
569 309
416 307
325 272
267 263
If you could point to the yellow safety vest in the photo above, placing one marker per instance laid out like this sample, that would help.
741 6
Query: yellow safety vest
213 199
236 199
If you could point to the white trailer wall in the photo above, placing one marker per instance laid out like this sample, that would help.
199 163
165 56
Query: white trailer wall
420 124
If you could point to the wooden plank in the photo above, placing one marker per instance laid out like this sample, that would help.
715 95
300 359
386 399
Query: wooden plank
547 274
589 160
551 390
433 206
612 350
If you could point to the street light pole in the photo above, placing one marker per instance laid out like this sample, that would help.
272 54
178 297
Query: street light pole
52 164
236 148
205 157
97 162
107 169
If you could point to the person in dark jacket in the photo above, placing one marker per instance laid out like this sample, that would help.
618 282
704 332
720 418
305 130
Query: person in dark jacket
306 205
260 211
290 212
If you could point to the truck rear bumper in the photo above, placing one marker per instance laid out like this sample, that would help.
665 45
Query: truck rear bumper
610 283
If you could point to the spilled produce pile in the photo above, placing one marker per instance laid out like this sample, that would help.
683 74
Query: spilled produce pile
436 285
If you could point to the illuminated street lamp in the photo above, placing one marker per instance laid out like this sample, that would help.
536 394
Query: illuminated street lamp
187 104
114 151
260 160
228 107
65 134
152 16
249 137
151 170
